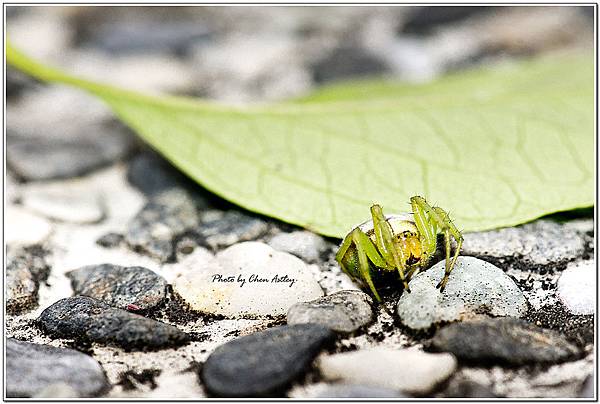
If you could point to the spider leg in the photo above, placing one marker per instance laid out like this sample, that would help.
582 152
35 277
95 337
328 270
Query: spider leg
384 239
438 217
364 244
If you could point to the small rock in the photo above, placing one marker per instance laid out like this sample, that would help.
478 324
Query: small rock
425 19
57 390
223 229
344 311
154 230
136 36
110 240
342 390
475 286
576 287
25 269
67 201
34 370
587 390
120 286
408 370
88 319
24 228
152 174
348 62
236 282
507 340
467 389
263 363
303 244
54 156
540 243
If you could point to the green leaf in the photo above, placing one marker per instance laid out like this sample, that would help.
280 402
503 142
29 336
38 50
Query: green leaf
495 147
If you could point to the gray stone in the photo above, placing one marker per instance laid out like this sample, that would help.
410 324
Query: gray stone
248 280
57 390
110 240
503 340
475 286
345 311
541 242
587 390
87 319
342 390
348 62
33 369
53 156
303 244
408 370
67 201
223 229
263 363
152 174
156 227
576 287
133 288
25 269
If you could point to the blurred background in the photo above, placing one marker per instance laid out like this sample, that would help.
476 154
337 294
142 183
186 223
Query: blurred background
242 55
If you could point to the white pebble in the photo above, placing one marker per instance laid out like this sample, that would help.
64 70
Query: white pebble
577 287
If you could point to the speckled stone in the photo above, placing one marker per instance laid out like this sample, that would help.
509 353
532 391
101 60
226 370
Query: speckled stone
132 288
155 229
540 242
223 229
264 363
503 340
408 370
88 319
33 369
248 280
25 269
475 286
345 311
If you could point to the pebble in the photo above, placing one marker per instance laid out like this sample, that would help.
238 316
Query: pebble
230 284
85 318
263 363
423 20
24 228
110 240
475 286
345 311
152 174
303 244
541 242
52 156
407 370
136 36
155 228
576 287
346 63
34 370
503 340
67 201
122 287
223 229
25 269
342 390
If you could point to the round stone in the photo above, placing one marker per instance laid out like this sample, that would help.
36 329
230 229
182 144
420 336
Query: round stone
503 340
120 286
475 286
24 228
345 311
264 363
576 287
408 370
248 279
34 370
88 319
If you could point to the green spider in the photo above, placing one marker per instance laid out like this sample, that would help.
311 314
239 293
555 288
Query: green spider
404 243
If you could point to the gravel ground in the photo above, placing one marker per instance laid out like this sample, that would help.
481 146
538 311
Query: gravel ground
125 279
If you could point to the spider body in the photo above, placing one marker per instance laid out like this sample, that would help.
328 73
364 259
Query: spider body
404 243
